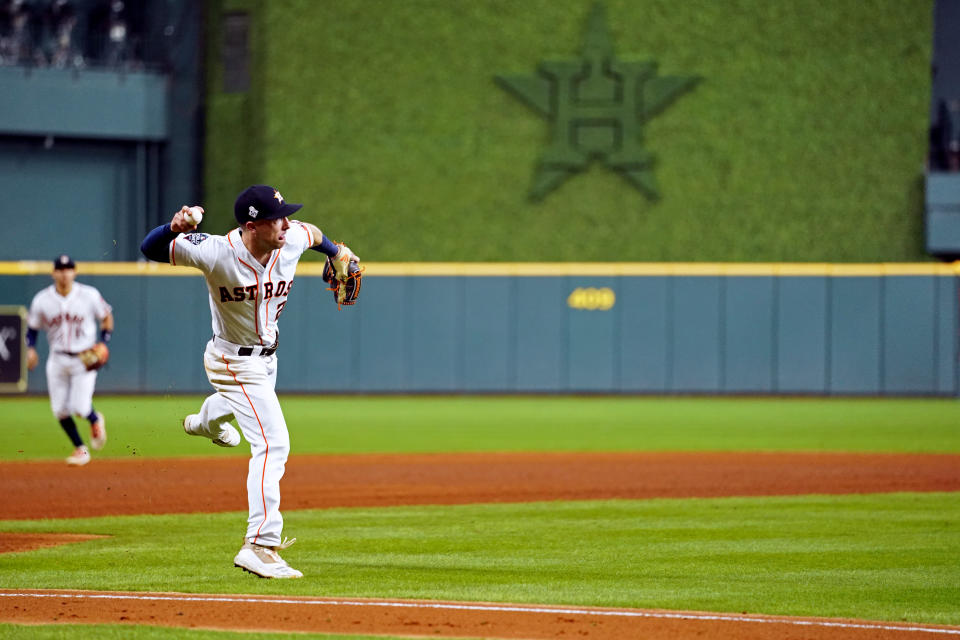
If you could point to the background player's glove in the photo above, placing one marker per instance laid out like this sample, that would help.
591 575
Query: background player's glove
347 291
95 357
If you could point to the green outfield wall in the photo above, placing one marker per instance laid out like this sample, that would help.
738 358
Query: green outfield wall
554 328
804 139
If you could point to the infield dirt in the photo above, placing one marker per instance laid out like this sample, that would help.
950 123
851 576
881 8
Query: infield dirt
433 619
168 485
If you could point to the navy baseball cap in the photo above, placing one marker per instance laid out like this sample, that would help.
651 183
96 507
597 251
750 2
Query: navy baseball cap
63 262
261 202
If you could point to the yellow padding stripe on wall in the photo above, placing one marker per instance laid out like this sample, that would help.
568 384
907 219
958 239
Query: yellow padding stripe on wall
34 267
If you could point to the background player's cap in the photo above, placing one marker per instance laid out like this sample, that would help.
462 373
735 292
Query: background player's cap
63 262
261 202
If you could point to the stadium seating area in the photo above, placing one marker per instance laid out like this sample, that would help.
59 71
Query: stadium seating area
69 35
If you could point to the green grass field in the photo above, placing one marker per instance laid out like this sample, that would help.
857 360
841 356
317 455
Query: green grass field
150 426
876 557
884 556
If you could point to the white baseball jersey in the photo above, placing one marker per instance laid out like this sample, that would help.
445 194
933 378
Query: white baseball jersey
72 322
246 297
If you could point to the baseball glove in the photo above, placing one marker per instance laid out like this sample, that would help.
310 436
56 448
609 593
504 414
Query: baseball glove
347 291
95 357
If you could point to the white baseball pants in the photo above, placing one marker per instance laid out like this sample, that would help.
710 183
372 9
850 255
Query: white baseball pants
70 386
246 391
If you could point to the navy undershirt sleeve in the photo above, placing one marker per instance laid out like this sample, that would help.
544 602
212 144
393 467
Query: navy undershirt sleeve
31 337
327 247
156 246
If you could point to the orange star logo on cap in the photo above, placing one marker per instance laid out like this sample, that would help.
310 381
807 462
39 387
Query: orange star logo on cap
276 194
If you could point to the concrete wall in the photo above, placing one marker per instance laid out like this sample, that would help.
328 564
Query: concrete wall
95 155
92 104
714 334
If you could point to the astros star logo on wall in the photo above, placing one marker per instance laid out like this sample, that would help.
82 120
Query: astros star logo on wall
596 105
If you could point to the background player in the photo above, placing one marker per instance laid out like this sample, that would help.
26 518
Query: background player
249 274
71 313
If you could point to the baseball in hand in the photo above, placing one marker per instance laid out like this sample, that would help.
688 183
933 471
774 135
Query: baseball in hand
193 216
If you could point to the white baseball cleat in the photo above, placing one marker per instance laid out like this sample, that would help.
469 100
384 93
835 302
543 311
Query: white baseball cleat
191 424
98 432
265 561
229 436
79 457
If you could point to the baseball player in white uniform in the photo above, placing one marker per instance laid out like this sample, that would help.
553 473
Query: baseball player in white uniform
249 273
75 318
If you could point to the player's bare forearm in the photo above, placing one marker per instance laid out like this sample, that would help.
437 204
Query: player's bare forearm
315 233
107 323
32 358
